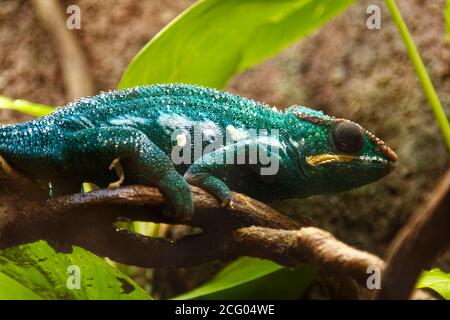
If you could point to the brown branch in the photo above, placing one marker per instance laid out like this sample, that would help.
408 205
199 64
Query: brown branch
250 228
419 242
309 244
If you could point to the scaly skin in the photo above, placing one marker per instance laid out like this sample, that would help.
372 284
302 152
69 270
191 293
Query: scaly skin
77 143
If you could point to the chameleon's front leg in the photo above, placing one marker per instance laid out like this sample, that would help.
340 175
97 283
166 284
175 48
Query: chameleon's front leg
143 162
206 175
217 175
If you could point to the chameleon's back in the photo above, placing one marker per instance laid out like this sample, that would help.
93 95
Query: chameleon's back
160 110
137 106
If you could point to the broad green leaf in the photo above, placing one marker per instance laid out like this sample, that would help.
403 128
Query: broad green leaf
250 278
437 280
36 271
34 109
214 39
447 21
11 289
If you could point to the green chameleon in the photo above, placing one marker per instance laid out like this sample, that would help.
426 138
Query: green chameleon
142 130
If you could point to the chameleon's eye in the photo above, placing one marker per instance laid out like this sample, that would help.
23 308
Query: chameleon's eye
348 137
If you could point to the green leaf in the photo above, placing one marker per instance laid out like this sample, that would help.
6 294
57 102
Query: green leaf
421 71
250 278
11 289
447 21
214 39
34 109
437 280
36 271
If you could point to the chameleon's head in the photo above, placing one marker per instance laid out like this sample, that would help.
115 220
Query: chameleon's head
337 154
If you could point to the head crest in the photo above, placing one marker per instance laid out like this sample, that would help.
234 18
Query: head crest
310 115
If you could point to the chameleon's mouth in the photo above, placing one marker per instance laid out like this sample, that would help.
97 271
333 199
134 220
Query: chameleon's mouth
328 158
321 159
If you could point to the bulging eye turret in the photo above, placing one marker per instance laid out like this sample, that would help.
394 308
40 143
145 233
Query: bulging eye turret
348 137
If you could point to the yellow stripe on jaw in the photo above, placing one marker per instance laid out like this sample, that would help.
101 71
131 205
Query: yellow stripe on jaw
328 158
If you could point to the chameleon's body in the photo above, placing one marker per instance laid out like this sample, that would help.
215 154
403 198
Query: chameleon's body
77 143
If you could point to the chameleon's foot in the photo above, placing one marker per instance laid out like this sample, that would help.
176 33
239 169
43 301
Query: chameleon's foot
227 202
213 185
117 167
177 192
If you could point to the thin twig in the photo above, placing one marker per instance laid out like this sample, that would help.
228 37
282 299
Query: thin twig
74 67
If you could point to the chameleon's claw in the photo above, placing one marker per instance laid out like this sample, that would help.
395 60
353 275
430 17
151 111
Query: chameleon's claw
117 167
178 194
212 185
227 203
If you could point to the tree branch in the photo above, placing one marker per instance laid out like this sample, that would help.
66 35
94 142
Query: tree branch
419 242
250 228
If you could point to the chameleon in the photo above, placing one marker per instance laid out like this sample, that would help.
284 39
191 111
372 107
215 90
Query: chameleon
134 129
